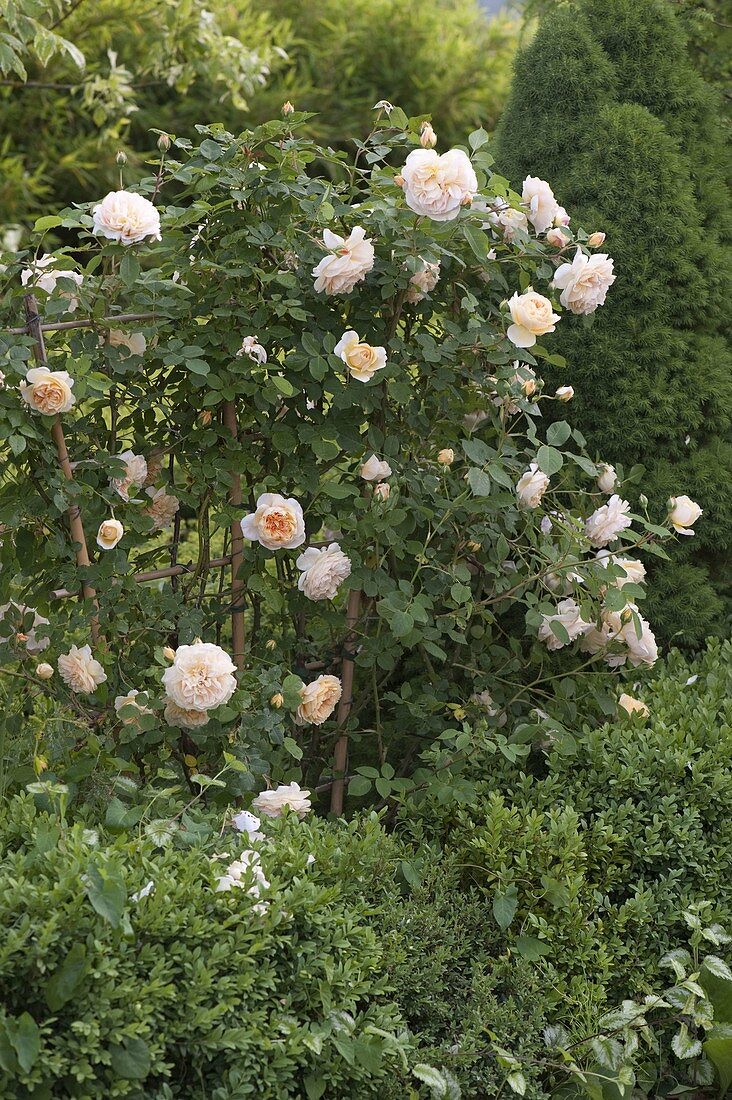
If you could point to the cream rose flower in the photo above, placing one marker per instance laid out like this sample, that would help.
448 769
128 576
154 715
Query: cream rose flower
322 571
642 647
532 316
362 359
632 705
126 217
635 571
557 238
80 671
201 676
382 491
596 239
253 350
683 513
564 393
531 486
278 523
561 217
607 479
162 508
44 671
350 260
374 469
246 822
436 186
318 701
182 718
133 477
109 534
44 276
606 523
130 700
507 220
538 196
48 391
287 796
427 136
423 282
569 616
584 282
446 456
245 872
28 637
135 342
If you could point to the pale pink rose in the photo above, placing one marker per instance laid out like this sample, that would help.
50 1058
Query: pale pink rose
557 238
130 700
109 534
162 508
683 514
28 637
350 260
287 796
423 282
133 477
532 316
44 671
509 221
596 239
80 671
561 217
375 469
126 217
634 570
427 136
382 491
607 522
135 342
543 207
182 718
318 701
277 523
362 359
44 276
322 571
201 676
584 282
436 186
531 487
569 615
48 392
632 705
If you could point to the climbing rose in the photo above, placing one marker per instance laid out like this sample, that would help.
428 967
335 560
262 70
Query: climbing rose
48 391
162 508
683 513
133 477
183 718
44 276
350 260
318 700
80 671
277 524
109 534
126 217
436 186
290 796
606 523
362 359
201 676
422 282
531 486
632 705
607 479
584 282
322 571
532 316
570 617
635 570
375 469
542 206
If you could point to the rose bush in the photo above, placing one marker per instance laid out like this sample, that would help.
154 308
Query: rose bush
391 453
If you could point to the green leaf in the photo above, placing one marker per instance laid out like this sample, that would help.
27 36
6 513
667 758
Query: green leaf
26 1041
129 269
479 482
558 433
478 241
49 222
531 948
505 904
718 1049
291 745
64 981
401 623
685 1045
131 1060
359 786
550 460
291 690
107 893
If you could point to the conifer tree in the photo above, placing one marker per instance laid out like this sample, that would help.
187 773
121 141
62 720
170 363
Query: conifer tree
606 106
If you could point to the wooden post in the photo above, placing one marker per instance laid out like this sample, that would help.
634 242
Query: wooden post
340 756
74 514
237 548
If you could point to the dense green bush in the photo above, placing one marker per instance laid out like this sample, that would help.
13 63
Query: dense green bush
633 142
188 992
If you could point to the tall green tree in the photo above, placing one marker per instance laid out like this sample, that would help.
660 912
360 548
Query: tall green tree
607 107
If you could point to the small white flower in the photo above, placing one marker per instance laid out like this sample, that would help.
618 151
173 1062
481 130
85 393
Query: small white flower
44 276
564 393
382 491
683 513
135 342
569 615
596 239
557 238
531 486
277 524
130 700
201 677
246 822
286 796
251 347
322 571
80 671
635 571
546 525
423 282
126 217
109 534
607 522
362 359
350 260
29 638
44 671
375 469
427 137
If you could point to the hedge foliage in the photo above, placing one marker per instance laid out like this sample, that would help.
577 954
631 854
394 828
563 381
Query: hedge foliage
634 142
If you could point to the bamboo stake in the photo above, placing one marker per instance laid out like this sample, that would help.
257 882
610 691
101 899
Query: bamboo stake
340 756
58 326
237 551
35 329
157 574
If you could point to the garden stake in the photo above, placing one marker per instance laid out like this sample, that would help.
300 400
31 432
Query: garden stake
74 513
340 756
237 551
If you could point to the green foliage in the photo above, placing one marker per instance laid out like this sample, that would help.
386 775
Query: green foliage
186 991
633 147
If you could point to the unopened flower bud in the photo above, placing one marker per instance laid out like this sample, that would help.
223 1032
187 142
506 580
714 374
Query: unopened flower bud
163 143
643 500
21 637
399 180
121 158
271 644
473 546
382 490
169 653
564 393
556 238
204 417
596 239
446 456
44 671
277 700
428 137
467 200
287 108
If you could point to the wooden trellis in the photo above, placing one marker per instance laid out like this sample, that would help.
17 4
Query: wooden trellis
36 328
